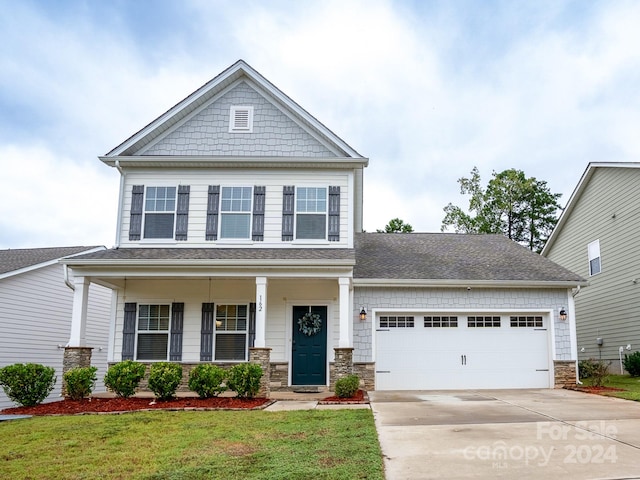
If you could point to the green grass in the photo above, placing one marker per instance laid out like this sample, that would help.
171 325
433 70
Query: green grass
325 444
631 385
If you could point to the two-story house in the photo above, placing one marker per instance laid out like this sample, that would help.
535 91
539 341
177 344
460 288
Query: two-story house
239 238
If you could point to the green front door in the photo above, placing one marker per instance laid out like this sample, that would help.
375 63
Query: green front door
309 349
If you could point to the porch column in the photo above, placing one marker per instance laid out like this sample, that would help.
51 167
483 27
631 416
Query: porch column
79 312
261 312
345 312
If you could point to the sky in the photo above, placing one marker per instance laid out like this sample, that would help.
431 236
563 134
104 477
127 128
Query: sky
425 89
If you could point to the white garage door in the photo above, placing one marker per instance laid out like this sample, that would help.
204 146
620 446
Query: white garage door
432 352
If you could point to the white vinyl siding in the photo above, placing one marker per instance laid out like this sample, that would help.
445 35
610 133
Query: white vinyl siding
272 180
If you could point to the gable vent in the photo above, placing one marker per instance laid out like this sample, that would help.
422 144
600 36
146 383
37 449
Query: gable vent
241 119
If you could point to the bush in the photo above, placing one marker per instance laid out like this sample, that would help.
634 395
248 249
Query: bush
206 380
347 386
79 382
164 379
596 370
632 364
123 378
27 384
244 379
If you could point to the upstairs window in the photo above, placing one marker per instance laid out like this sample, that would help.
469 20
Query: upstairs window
235 207
241 119
159 212
311 213
594 257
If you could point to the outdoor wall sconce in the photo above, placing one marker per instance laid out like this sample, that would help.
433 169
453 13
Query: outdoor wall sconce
363 314
563 314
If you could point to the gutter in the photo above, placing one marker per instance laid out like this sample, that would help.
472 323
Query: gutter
469 284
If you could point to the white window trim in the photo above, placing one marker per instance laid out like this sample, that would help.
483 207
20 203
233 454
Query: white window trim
138 331
233 113
226 332
593 252
144 216
326 217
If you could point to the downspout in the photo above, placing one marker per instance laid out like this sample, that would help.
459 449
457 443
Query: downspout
120 200
66 278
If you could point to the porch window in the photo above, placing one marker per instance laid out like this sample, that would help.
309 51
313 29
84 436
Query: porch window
231 324
311 213
153 332
159 208
235 209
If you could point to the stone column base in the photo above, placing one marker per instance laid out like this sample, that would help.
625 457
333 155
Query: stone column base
341 367
262 356
564 373
74 357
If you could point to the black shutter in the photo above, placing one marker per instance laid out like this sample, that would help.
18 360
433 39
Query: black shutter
212 212
252 325
334 214
129 331
288 209
182 212
135 220
177 325
258 214
206 333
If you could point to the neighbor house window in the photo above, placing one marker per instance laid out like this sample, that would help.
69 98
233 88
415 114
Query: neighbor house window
231 324
159 212
311 213
153 332
235 210
594 257
483 322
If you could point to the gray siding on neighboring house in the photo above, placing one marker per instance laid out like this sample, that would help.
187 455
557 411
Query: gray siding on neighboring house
423 299
35 317
608 211
207 133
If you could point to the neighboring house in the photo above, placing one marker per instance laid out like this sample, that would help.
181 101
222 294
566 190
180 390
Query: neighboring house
597 237
35 312
240 239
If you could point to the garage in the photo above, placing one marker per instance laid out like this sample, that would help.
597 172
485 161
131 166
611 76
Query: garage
469 350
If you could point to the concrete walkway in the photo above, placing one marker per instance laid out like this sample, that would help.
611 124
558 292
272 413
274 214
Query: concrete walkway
524 434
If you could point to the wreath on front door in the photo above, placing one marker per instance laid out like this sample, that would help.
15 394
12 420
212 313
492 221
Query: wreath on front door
310 324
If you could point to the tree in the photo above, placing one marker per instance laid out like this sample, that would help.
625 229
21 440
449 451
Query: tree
396 225
521 208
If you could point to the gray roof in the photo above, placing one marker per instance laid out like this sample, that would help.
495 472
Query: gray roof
451 257
170 254
16 259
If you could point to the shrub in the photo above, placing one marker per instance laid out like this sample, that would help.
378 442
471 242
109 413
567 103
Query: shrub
347 386
123 378
244 379
79 382
27 384
206 380
632 364
164 379
596 370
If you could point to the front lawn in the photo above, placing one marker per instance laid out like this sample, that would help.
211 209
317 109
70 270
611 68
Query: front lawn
630 385
318 444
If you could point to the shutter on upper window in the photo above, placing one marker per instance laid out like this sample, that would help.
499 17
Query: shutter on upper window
258 214
252 325
206 333
135 220
288 210
129 331
177 325
212 212
182 212
334 214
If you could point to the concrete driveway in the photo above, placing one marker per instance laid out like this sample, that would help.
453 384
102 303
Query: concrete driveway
524 434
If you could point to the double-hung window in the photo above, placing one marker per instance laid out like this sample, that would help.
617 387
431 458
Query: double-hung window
311 213
231 323
235 209
159 212
595 266
153 332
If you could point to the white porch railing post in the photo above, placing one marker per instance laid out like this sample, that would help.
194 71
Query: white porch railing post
345 312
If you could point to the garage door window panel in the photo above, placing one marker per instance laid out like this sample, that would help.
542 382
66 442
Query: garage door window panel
527 322
440 322
396 322
483 322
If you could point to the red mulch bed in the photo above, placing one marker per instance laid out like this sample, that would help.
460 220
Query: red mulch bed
359 397
111 405
596 390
